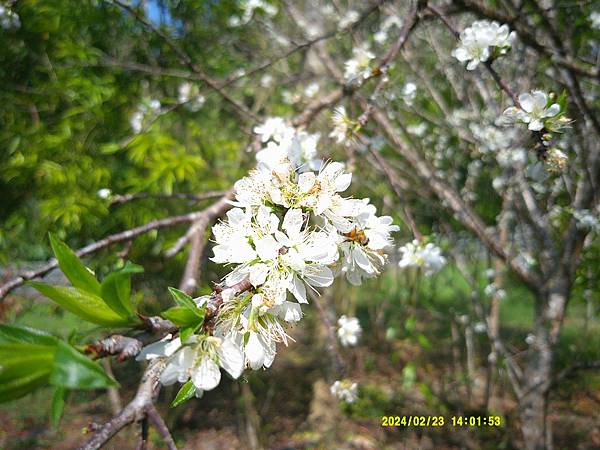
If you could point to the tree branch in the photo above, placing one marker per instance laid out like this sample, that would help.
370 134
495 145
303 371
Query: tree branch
146 395
161 427
114 239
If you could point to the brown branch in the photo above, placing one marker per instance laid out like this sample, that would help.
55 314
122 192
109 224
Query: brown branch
189 281
187 61
143 402
409 25
123 236
314 108
161 427
126 198
462 210
125 347
142 444
144 398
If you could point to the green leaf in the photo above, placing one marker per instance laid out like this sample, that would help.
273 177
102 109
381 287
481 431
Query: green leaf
186 332
182 299
23 368
18 360
12 333
116 289
73 370
58 406
186 392
182 317
73 268
21 386
83 304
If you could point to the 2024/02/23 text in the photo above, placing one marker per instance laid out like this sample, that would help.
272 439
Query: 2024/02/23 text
440 421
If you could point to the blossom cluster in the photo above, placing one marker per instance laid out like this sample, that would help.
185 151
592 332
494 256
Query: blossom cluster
421 255
8 18
535 110
188 94
349 330
358 68
248 8
478 42
147 107
345 391
291 231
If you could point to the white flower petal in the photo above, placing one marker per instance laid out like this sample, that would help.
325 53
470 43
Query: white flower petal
298 289
231 357
207 375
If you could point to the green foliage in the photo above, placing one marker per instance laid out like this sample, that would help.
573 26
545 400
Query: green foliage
31 358
116 289
72 370
107 304
186 392
88 306
58 405
79 276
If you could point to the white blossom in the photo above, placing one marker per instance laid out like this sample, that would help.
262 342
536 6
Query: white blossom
290 231
199 359
595 19
409 92
345 390
586 220
349 330
534 110
146 107
104 193
358 67
383 33
311 90
248 7
428 257
188 94
266 80
8 18
348 19
341 125
478 40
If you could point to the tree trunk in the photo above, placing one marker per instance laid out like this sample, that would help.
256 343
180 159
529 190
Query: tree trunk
537 377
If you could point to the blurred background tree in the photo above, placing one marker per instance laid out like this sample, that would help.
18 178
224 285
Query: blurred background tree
115 114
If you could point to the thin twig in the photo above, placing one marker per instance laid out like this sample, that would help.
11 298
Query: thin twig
161 427
123 236
126 198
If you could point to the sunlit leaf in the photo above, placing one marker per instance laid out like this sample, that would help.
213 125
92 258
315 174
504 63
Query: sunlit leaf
182 317
83 304
75 371
73 268
116 289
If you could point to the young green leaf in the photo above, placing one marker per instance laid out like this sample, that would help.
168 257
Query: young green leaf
17 387
116 289
83 304
182 316
12 333
186 392
73 268
182 299
73 370
58 406
186 332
